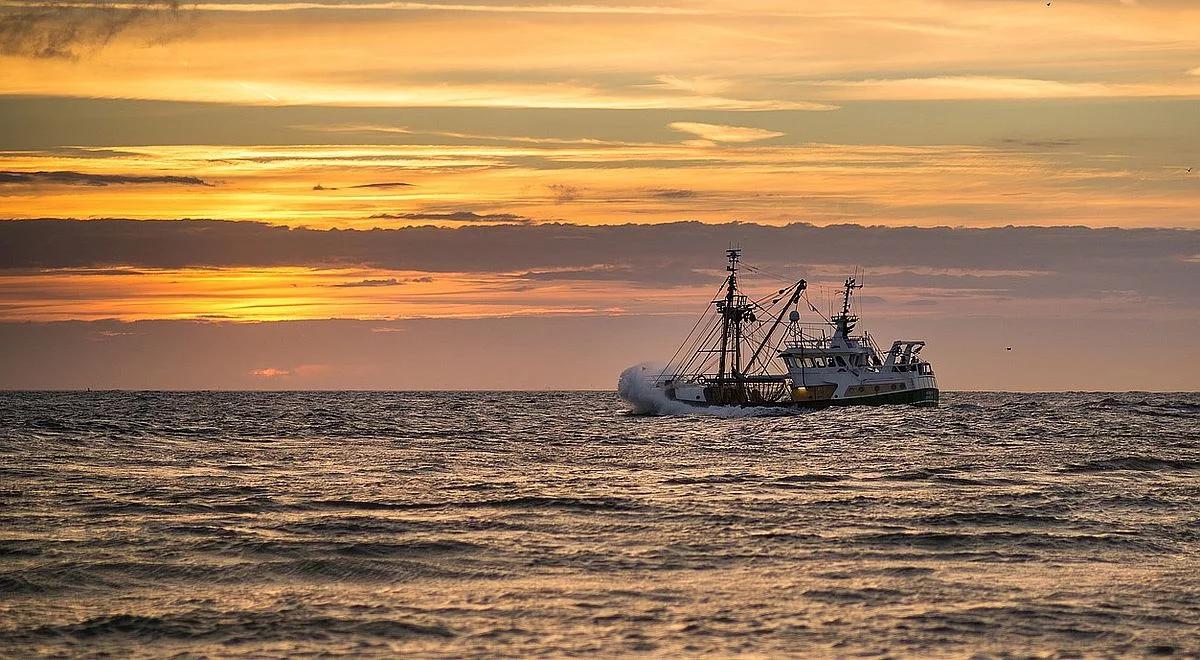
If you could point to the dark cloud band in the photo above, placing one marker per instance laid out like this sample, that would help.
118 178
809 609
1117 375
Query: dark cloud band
1157 263
454 216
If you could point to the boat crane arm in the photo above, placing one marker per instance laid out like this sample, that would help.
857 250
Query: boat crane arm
798 289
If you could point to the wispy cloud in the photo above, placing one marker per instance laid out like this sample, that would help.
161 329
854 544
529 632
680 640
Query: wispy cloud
563 192
987 87
67 30
300 371
482 137
705 85
671 193
455 216
485 8
270 372
392 184
390 281
87 179
724 133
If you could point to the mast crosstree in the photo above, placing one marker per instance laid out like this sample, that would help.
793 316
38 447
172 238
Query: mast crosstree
845 321
735 310
738 337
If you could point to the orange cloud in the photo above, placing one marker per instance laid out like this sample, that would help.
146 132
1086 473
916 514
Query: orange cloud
301 371
724 133
270 372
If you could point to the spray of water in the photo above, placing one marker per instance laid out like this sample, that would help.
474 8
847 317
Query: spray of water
636 388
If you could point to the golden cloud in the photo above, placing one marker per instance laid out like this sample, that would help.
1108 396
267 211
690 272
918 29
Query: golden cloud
724 133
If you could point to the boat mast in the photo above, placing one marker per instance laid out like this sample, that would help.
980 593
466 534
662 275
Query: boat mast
726 309
845 321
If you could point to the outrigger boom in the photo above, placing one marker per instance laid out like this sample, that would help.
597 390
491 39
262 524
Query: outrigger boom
823 363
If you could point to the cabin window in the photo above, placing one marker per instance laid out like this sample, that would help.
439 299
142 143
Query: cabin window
840 361
808 363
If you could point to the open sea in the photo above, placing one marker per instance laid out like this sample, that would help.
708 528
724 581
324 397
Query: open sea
556 524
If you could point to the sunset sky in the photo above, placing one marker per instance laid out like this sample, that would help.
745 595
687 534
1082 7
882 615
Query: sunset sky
507 195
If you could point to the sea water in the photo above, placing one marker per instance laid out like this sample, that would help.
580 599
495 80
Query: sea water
558 523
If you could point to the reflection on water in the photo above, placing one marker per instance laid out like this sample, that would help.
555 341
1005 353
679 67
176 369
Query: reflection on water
523 523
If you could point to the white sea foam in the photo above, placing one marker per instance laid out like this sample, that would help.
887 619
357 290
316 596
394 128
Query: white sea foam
636 388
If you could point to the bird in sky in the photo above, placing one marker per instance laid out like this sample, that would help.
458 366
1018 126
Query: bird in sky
1008 348
1189 170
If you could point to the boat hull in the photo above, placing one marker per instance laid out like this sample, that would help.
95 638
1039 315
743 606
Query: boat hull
917 397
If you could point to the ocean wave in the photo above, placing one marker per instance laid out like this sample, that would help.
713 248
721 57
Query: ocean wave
811 478
1001 540
231 626
873 595
713 479
565 503
1133 464
992 518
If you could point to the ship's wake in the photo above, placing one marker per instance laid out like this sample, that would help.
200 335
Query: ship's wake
636 388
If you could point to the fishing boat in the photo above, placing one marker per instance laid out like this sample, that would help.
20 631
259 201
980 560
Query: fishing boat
758 352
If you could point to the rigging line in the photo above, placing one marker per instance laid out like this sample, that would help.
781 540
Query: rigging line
689 335
780 293
768 273
813 307
689 346
702 339
687 368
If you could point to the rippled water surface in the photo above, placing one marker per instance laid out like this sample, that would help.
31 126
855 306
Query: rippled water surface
555 523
